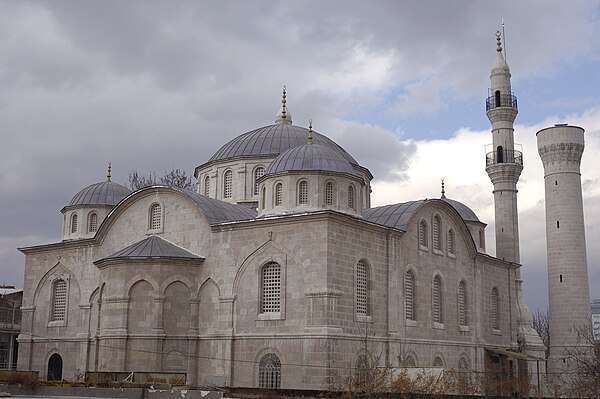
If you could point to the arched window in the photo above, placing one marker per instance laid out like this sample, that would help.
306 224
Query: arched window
351 202
438 362
207 186
463 367
74 223
269 372
409 296
59 300
362 288
278 194
264 196
462 303
93 222
450 242
258 173
362 371
270 298
437 226
303 192
155 217
228 184
497 102
423 233
409 361
437 305
329 193
494 311
481 239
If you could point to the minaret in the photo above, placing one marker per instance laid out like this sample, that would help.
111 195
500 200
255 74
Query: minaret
503 163
561 148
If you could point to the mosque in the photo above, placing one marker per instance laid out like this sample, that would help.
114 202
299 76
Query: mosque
277 272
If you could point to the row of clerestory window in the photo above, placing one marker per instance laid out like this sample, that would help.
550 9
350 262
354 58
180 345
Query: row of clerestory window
437 236
228 183
92 226
303 191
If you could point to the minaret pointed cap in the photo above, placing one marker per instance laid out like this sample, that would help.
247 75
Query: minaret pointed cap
283 117
109 173
310 132
500 64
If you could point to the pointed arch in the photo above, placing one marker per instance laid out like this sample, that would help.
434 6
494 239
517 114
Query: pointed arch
208 306
176 309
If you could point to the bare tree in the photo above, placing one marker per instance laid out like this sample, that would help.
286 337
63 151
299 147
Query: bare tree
541 324
174 178
585 380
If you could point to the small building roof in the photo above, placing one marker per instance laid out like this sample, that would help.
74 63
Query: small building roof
103 193
153 247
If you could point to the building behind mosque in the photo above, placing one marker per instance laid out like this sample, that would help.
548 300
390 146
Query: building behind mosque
275 269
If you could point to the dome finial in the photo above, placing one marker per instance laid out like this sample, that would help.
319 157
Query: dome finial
498 41
109 174
284 117
443 191
310 132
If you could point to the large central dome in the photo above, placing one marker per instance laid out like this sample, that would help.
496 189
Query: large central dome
273 140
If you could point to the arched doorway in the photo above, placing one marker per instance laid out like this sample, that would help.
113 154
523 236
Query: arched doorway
55 365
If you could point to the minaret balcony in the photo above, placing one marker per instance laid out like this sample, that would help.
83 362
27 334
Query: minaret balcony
504 156
501 100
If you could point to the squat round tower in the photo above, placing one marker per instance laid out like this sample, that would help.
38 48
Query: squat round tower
561 148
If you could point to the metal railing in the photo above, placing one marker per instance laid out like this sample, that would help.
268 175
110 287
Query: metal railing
502 100
504 156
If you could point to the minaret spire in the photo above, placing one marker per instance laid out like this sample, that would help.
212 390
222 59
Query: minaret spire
283 116
310 132
109 173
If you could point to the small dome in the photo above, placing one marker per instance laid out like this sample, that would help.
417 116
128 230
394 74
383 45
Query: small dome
104 193
464 211
310 157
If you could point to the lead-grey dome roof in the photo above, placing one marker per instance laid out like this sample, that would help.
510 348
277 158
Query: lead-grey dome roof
273 140
310 157
104 193
464 211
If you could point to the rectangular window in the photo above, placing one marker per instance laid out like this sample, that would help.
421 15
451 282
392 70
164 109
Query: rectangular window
362 282
271 288
59 301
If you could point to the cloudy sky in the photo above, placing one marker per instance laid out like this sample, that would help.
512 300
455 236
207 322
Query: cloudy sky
154 86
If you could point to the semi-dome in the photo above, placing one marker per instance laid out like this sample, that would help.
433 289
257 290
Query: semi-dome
310 157
103 193
273 140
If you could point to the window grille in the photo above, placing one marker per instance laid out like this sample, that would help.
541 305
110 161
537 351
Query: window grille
93 225
450 242
258 173
303 193
437 299
409 295
351 197
462 304
362 288
278 194
423 233
437 242
74 223
207 186
155 217
271 288
269 372
329 193
494 311
228 184
59 300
